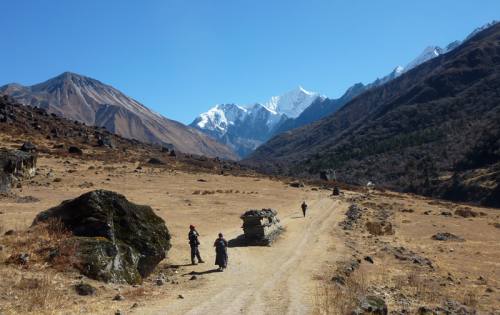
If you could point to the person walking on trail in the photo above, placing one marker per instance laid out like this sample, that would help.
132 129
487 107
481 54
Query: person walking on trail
194 243
304 208
220 245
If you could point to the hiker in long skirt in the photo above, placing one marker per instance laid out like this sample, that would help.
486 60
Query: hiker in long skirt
220 245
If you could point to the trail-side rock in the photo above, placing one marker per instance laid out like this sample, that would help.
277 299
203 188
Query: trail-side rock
155 161
371 305
75 150
84 289
296 184
14 165
28 147
466 213
445 236
106 141
353 214
380 228
116 240
260 227
404 254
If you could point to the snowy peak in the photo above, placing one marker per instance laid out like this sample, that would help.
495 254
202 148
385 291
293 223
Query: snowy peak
292 103
429 53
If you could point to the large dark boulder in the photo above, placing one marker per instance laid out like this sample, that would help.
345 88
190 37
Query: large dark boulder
115 240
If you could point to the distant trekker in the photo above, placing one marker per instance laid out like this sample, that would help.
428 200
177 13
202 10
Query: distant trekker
220 245
304 208
194 243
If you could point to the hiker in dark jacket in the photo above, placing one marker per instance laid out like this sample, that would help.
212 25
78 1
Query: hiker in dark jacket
220 245
194 243
304 208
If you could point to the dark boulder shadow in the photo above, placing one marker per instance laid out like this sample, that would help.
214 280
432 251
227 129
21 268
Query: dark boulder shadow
243 241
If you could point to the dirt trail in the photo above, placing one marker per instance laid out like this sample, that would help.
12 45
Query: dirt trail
267 280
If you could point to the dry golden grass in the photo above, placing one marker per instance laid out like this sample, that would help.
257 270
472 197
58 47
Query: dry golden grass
333 299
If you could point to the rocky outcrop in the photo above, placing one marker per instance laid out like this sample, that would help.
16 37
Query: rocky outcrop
15 165
260 227
115 240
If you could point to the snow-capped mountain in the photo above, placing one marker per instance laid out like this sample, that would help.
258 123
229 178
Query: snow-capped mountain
244 128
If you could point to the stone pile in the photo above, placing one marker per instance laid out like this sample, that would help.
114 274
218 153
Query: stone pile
14 165
261 227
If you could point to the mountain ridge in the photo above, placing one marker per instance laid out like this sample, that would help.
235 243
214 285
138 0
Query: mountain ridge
414 133
92 102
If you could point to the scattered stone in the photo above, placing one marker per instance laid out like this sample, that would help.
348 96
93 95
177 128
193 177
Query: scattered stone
404 254
118 312
118 297
296 184
28 147
135 305
193 277
408 210
117 241
339 280
380 228
446 213
15 165
19 259
75 150
180 296
260 227
156 161
445 236
106 142
371 304
369 259
10 232
202 180
353 214
160 282
466 213
427 212
84 289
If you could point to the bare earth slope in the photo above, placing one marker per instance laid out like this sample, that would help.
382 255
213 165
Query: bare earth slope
434 130
92 102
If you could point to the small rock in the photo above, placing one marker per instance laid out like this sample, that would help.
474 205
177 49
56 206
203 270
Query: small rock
180 296
296 184
160 282
193 277
445 236
369 259
118 297
118 312
371 305
134 305
75 150
10 232
339 280
28 147
85 289
57 180
466 213
489 290
446 213
427 212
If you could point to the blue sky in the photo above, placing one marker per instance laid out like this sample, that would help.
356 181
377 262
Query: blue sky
180 57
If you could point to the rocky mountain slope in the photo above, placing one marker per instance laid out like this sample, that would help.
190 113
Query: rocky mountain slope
324 107
244 128
92 102
433 130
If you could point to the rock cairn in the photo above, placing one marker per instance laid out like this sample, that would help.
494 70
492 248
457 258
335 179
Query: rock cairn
261 227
